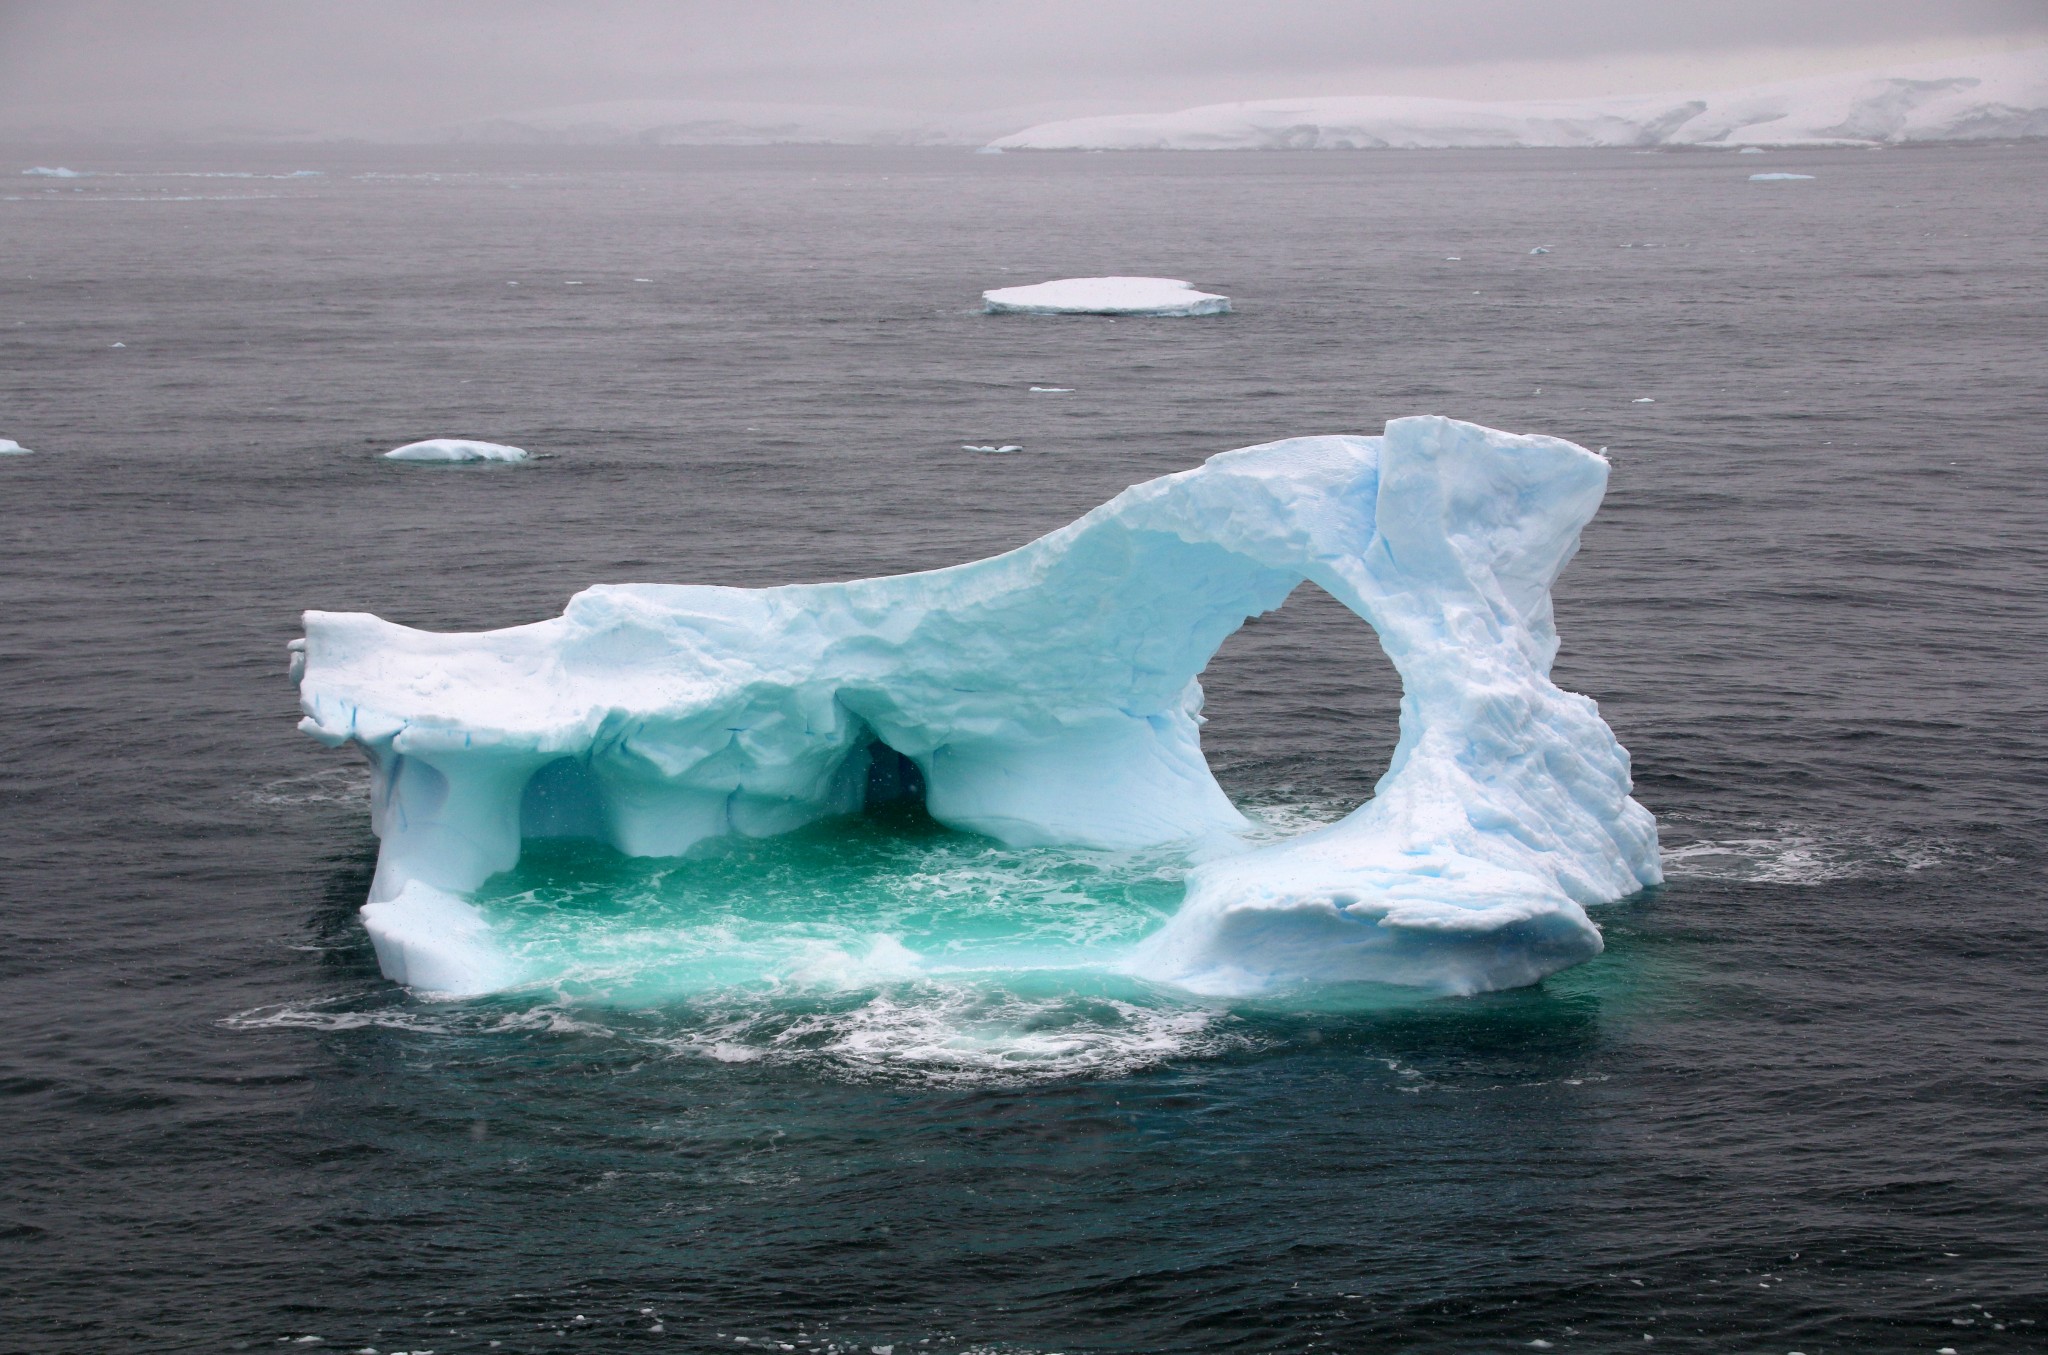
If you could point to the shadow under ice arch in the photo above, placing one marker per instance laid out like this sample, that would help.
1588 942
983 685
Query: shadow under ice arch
1049 696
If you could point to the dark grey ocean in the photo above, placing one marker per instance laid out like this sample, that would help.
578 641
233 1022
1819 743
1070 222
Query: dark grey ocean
1800 1103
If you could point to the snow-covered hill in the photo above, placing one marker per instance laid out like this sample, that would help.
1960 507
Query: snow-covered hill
1966 99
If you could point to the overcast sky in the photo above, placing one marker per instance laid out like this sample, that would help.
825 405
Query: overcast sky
369 65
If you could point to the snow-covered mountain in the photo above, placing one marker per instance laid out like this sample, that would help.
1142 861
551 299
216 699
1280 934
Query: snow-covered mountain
1966 99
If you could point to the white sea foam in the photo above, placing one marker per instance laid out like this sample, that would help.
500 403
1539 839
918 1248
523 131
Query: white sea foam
343 785
967 1033
1796 855
917 1032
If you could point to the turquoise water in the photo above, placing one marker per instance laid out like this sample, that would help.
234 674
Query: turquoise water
884 944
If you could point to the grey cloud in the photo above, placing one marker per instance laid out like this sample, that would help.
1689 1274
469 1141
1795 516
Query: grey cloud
382 64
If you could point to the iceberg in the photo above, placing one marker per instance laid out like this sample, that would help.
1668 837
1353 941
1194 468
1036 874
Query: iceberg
1974 98
1050 696
455 449
1105 296
9 447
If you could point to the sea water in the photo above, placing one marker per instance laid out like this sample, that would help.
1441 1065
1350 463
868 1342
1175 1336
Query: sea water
876 1084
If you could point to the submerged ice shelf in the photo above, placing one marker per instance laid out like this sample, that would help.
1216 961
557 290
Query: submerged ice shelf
455 450
1043 697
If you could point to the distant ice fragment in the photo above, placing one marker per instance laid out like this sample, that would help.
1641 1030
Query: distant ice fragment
1539 250
58 172
1054 390
1644 400
990 447
1765 178
1050 696
1751 150
9 447
1105 296
455 449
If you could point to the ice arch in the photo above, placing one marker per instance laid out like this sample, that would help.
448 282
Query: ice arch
1049 696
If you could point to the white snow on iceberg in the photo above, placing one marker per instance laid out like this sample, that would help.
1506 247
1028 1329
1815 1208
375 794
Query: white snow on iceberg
1105 296
455 449
1972 98
1049 696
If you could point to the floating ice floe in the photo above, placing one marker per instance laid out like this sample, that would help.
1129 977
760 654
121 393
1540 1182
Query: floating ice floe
58 172
455 449
1050 696
1751 150
990 447
1105 296
9 447
1766 178
1053 390
1540 249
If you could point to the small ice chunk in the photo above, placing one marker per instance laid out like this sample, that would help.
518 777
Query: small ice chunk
643 279
990 447
988 150
1105 296
117 345
9 447
1643 400
1766 178
57 172
1454 258
1540 249
455 449
1054 390
1751 150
